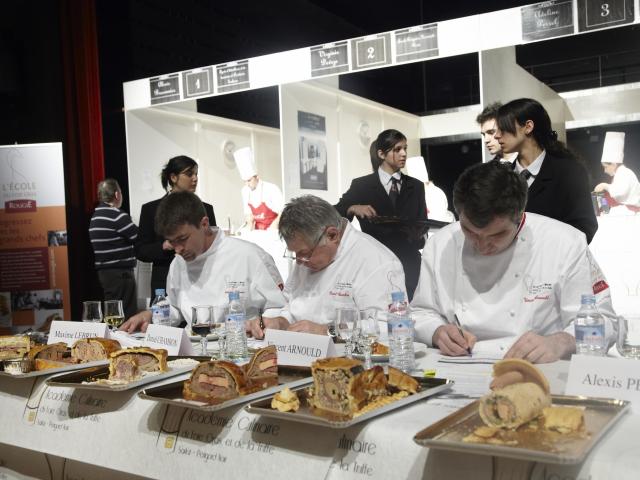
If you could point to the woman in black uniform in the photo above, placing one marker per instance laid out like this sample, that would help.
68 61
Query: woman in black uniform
178 175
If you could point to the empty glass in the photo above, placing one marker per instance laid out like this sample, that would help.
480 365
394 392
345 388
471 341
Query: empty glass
201 322
369 333
628 343
347 327
113 313
219 328
91 311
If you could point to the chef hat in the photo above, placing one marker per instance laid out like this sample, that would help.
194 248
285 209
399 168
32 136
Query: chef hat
613 150
416 168
244 162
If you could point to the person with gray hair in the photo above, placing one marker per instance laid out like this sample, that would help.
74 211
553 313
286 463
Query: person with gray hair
113 235
505 276
336 266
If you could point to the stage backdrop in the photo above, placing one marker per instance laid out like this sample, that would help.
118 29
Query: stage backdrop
34 271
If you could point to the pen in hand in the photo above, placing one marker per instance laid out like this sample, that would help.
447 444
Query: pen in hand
457 322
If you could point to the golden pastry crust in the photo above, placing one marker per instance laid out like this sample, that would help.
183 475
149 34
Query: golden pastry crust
513 405
402 381
159 354
106 347
514 370
381 402
379 349
563 419
14 346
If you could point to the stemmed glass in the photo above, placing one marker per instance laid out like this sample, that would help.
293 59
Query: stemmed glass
347 327
369 333
91 311
201 322
113 313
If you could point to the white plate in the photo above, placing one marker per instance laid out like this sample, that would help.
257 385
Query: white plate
420 349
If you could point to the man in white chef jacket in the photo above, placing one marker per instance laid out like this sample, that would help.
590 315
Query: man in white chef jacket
336 266
262 201
505 274
208 265
624 188
435 198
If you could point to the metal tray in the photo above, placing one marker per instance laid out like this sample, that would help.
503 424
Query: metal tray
76 379
306 414
53 371
420 350
600 414
171 393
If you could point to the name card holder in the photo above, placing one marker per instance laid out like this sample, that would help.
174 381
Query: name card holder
299 349
605 377
174 340
69 332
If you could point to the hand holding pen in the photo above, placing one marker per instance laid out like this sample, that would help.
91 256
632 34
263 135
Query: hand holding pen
452 340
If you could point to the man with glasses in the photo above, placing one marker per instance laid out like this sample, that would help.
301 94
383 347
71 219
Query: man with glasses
336 266
505 275
208 265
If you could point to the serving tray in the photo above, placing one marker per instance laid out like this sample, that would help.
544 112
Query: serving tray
171 393
307 414
600 414
54 371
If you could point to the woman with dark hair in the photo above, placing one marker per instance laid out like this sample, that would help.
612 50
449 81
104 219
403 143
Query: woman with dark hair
180 174
388 194
558 183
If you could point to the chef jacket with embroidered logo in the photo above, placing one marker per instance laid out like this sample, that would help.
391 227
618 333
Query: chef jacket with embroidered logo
228 264
364 272
535 284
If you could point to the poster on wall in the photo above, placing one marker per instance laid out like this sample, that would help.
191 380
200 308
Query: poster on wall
34 271
312 146
596 14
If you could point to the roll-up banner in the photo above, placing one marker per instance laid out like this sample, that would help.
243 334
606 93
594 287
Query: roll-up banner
34 268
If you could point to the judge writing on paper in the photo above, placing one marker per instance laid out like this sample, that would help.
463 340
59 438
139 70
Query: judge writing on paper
505 274
262 201
209 264
335 265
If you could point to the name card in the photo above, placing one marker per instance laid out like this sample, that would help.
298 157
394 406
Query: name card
69 332
606 377
299 349
174 340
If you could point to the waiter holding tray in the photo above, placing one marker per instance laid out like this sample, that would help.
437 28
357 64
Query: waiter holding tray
390 205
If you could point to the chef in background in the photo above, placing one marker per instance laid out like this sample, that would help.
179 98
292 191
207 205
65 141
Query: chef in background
624 189
437 203
262 201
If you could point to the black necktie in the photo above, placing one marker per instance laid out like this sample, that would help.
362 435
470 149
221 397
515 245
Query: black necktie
526 174
393 191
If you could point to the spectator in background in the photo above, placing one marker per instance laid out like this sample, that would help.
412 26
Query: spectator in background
113 235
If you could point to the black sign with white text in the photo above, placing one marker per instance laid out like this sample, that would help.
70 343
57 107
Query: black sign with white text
547 20
595 14
416 43
198 82
165 89
330 59
233 76
373 51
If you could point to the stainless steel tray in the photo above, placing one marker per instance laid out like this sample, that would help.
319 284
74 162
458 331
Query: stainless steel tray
600 414
171 393
54 371
91 375
306 413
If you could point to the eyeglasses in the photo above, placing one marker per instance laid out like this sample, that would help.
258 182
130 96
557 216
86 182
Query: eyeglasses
305 258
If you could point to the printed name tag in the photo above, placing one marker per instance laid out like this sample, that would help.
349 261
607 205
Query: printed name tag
299 349
174 340
617 378
69 332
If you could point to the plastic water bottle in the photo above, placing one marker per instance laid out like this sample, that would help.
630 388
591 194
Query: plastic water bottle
400 328
160 309
236 343
589 328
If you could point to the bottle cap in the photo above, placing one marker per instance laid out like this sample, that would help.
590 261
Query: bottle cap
397 297
588 299
235 295
159 291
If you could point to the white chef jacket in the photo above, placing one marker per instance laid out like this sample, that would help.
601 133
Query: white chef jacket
228 264
265 192
625 187
363 273
535 284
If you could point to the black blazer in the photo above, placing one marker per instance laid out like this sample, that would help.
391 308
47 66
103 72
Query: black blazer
149 244
561 191
410 206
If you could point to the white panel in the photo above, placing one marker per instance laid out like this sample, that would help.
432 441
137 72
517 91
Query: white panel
277 68
136 94
450 123
459 36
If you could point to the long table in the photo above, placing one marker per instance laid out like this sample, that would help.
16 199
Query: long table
55 432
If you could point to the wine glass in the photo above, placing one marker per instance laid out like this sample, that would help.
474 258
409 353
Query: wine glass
113 313
201 322
347 327
369 333
219 325
91 311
